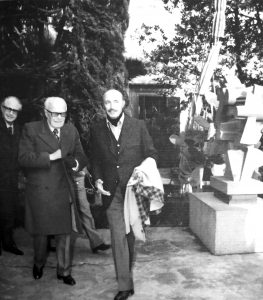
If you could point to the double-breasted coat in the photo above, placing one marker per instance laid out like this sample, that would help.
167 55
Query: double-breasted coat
113 166
50 206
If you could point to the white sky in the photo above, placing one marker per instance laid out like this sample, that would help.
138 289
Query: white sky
149 12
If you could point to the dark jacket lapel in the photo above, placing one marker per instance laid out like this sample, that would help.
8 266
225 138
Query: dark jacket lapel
105 135
126 132
65 139
47 136
3 125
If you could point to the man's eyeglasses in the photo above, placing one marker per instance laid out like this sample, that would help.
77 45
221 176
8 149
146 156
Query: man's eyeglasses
9 109
56 114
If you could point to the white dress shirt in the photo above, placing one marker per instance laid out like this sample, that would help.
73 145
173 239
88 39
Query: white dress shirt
52 129
116 130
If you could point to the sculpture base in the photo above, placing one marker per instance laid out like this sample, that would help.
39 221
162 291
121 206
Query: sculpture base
230 187
226 229
235 199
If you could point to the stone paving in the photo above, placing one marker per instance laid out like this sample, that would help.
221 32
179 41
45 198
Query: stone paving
171 265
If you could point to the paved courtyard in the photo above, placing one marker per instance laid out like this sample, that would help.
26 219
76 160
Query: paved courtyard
171 265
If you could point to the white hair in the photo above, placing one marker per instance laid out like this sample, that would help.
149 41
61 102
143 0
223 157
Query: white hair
13 98
53 101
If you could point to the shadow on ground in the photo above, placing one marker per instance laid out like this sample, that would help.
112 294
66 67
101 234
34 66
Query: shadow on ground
171 265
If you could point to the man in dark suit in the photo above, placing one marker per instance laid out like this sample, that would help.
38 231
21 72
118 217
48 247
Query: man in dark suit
49 151
118 145
9 140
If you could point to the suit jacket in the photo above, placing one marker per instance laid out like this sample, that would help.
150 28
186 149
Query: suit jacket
9 167
49 186
115 168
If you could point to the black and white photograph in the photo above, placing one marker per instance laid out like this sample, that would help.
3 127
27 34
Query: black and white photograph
131 139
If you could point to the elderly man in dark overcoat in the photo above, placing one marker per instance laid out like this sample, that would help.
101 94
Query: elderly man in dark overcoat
118 145
49 151
9 170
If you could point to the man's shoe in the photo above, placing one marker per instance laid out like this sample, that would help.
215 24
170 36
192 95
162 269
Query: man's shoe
123 295
13 249
101 247
37 272
67 279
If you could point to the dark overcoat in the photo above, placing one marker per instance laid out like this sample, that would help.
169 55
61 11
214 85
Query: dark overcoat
49 186
9 167
116 167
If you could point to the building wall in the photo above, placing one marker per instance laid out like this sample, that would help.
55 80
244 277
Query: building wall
137 90
161 124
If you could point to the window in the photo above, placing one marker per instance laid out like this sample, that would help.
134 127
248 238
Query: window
150 105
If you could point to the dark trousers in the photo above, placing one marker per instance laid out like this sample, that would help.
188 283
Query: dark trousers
8 201
122 243
63 252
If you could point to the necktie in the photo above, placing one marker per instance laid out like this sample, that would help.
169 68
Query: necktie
10 130
55 132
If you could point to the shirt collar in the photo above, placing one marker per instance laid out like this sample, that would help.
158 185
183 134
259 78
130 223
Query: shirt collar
119 123
9 125
52 128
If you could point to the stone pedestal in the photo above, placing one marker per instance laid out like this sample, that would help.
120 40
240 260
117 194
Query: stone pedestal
229 187
224 228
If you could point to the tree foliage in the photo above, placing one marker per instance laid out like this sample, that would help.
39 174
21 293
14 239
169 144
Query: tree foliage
135 67
67 48
179 60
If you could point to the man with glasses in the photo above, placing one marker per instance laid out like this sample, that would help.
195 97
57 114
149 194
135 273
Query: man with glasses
9 140
49 151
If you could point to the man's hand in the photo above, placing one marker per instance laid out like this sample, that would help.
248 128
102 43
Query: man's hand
55 155
100 189
137 175
70 162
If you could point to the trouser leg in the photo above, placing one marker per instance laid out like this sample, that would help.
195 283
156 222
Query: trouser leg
122 244
63 254
86 217
40 250
131 242
7 217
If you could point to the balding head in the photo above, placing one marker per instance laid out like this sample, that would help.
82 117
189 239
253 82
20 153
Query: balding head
113 94
114 103
55 111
